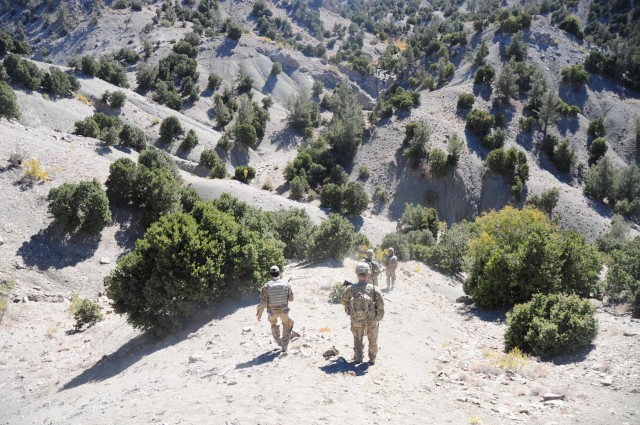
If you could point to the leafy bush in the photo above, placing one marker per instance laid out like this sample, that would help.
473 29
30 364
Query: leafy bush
418 136
571 24
121 181
58 83
575 74
480 122
364 173
210 159
214 81
599 180
276 69
485 75
190 141
597 150
234 31
623 275
23 72
133 137
416 217
298 187
546 201
170 129
495 139
438 162
8 102
518 253
527 123
202 251
334 238
83 206
302 112
563 156
115 100
551 325
449 253
244 173
466 100
337 290
85 312
597 128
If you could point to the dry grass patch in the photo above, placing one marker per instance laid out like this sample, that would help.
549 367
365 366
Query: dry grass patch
513 361
33 170
84 99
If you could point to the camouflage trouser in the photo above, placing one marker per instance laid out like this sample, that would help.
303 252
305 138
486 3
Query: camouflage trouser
287 326
358 345
374 279
391 277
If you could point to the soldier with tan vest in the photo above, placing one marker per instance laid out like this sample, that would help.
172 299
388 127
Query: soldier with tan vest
275 296
364 304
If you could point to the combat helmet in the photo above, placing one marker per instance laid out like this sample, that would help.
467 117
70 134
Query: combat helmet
369 253
363 268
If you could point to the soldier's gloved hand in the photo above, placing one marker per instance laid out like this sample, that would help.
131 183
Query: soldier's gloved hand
270 313
286 310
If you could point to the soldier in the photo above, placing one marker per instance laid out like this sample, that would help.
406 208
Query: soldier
275 296
374 265
364 304
390 266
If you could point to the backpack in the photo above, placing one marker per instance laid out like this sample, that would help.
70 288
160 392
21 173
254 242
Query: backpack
361 304
393 262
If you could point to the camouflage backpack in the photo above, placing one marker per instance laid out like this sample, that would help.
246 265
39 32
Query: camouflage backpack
361 304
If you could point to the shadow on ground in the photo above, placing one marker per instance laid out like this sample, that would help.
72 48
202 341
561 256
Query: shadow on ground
468 310
263 358
340 365
144 345
54 248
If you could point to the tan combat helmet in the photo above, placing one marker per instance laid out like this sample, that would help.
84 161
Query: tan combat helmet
274 270
391 251
363 268
369 253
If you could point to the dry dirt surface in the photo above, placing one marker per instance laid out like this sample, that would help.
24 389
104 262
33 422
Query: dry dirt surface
440 360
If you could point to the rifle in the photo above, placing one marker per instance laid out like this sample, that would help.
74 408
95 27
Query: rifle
347 283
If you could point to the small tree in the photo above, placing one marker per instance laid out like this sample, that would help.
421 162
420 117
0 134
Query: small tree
597 150
332 239
121 181
546 201
244 173
276 69
575 74
550 325
210 159
485 75
597 128
419 141
599 180
170 129
84 206
466 100
214 82
190 141
8 102
85 312
507 86
480 122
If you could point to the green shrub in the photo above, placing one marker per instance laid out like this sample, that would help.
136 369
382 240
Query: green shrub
418 141
170 129
546 201
575 74
551 325
364 173
519 253
485 75
115 100
571 24
210 159
418 218
563 156
202 251
84 206
298 187
85 312
623 275
234 31
334 238
244 173
466 100
302 112
133 137
337 290
597 150
448 255
495 139
527 123
8 102
597 128
438 162
480 122
121 181
354 199
58 83
190 141
567 110
214 81
276 69
23 72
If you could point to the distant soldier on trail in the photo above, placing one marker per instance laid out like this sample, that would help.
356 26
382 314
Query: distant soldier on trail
364 304
275 296
390 266
374 265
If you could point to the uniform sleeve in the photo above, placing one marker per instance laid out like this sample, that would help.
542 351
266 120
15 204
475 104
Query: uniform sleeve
263 301
379 305
346 297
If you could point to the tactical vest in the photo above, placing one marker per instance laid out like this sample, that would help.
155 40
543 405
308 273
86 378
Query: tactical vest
278 292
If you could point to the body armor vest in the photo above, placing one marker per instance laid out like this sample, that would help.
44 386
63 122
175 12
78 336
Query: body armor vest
278 292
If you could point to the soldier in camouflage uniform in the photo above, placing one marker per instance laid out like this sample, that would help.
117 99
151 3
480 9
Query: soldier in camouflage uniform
275 296
373 265
364 304
390 266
